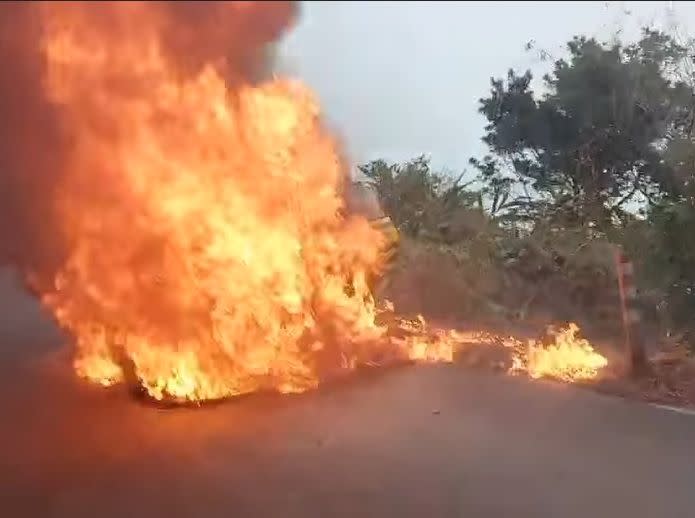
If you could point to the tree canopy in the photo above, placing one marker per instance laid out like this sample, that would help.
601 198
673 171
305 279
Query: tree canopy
602 149
598 135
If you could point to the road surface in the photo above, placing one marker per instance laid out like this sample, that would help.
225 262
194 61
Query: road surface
420 441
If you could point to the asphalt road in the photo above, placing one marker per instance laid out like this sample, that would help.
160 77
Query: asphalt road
420 441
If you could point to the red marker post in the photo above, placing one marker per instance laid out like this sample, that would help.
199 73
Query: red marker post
634 345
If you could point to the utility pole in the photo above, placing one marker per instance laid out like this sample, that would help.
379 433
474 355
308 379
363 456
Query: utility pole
634 344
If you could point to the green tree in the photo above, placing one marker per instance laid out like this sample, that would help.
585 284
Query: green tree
418 199
595 139
614 122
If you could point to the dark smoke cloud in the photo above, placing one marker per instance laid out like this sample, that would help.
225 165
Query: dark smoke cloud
32 146
236 31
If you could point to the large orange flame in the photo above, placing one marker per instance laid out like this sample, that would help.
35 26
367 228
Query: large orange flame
209 258
207 253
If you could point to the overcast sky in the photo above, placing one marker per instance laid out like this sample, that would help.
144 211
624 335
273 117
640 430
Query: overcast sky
398 79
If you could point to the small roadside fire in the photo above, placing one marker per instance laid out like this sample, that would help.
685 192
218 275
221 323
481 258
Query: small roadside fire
200 211
569 358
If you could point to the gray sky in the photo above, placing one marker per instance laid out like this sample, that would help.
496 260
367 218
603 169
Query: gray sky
398 79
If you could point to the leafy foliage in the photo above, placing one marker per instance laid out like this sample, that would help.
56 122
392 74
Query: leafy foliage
418 199
604 155
592 141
